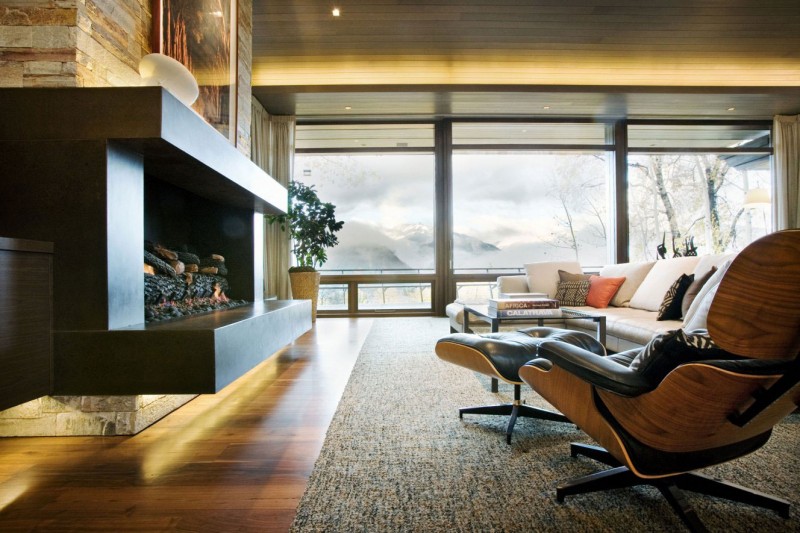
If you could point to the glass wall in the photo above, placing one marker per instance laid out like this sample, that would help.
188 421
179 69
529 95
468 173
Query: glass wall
687 189
512 208
515 192
381 180
386 203
526 192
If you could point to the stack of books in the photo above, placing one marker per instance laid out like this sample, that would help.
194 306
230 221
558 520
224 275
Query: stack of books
524 307
522 295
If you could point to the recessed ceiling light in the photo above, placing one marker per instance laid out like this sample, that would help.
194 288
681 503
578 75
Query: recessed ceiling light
348 108
336 12
731 109
546 107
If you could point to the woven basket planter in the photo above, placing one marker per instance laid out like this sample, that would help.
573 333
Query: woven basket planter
305 286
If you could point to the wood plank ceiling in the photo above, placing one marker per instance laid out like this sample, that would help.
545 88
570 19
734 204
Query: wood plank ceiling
566 58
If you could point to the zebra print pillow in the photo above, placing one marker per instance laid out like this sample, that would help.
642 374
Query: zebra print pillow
572 293
667 351
671 305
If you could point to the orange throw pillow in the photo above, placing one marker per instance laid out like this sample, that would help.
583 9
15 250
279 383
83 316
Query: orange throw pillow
601 290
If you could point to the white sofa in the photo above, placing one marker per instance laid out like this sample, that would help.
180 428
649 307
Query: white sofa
631 317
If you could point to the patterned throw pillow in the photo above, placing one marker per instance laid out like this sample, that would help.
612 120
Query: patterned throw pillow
671 305
572 293
667 351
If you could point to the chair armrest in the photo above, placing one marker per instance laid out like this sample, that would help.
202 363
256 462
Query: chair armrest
516 283
597 370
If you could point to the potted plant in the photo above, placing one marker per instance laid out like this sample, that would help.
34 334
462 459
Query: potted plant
312 226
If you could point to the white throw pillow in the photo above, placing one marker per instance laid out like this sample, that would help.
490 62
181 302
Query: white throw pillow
702 302
708 261
655 285
517 283
543 277
634 274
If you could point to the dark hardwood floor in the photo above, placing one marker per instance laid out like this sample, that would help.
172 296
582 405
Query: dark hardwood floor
236 461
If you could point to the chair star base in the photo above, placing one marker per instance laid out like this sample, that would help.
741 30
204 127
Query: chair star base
671 487
514 410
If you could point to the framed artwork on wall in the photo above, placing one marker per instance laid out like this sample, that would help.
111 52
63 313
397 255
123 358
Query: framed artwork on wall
202 34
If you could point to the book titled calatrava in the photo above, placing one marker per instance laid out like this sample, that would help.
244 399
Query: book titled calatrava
513 303
525 313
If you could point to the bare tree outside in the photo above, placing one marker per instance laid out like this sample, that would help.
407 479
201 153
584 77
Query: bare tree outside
689 198
580 188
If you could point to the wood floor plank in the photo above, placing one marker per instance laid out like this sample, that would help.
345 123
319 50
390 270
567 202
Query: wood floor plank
238 460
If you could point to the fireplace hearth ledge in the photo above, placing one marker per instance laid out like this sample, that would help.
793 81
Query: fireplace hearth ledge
199 354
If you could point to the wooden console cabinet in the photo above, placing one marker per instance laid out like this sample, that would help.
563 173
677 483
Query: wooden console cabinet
26 296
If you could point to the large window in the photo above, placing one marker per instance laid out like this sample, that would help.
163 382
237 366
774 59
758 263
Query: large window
512 208
527 192
436 211
381 180
386 203
687 189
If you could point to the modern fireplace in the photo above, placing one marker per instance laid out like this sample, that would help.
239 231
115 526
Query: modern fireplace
100 171
196 255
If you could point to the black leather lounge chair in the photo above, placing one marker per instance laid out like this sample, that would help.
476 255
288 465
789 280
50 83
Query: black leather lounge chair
699 404
500 355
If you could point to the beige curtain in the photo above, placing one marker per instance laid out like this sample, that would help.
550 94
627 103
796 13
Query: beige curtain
786 175
273 150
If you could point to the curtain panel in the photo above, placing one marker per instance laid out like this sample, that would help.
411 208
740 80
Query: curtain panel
273 150
786 175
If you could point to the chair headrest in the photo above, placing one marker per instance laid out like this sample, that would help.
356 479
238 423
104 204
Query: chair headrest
756 311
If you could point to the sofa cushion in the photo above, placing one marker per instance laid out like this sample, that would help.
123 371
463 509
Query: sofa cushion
694 289
695 317
543 277
563 275
512 284
572 293
602 289
633 273
651 292
635 327
707 261
671 305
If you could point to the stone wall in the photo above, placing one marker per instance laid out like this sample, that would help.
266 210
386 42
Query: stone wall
59 416
38 43
111 39
72 43
244 111
95 43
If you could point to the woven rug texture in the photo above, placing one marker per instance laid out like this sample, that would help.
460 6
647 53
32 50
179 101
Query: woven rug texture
397 458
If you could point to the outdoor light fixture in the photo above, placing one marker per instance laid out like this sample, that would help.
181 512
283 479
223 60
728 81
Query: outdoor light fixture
159 69
756 198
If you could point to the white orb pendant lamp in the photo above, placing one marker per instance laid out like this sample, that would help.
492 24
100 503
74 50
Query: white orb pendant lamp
159 69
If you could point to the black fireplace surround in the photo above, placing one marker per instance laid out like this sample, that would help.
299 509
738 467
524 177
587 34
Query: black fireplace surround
98 171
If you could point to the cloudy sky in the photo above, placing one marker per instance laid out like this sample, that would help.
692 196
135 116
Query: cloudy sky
508 201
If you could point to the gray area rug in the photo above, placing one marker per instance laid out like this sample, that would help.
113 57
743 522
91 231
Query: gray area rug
397 458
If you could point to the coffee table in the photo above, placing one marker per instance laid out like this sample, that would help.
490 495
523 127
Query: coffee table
482 312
